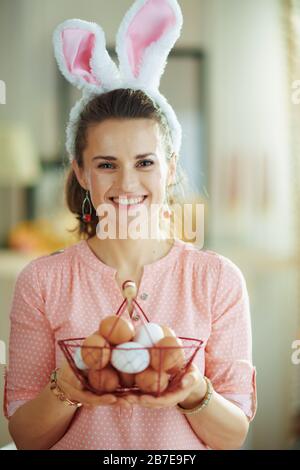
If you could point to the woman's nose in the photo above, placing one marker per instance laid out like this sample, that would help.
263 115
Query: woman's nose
127 180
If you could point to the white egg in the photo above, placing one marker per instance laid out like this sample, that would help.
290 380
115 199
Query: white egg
78 359
149 334
126 358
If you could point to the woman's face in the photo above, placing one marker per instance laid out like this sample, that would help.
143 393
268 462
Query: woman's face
125 159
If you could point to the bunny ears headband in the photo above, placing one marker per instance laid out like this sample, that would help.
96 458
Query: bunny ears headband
146 35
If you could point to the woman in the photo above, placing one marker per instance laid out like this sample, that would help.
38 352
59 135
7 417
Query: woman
197 293
123 139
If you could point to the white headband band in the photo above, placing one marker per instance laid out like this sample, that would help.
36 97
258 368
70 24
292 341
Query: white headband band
146 35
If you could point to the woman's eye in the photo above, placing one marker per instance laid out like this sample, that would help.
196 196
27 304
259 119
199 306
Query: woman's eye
102 165
109 166
147 161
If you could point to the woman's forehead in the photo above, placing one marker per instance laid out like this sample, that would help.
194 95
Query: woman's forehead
113 136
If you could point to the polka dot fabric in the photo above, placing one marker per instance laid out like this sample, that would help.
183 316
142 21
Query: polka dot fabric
198 293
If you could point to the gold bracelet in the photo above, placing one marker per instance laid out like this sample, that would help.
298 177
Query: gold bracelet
204 402
54 387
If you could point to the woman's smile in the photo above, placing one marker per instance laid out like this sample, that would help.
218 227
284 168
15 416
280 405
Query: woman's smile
126 203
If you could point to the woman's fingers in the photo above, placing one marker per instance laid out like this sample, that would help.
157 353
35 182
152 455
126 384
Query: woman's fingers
132 399
108 399
192 374
148 400
89 398
188 380
92 400
66 377
74 388
124 403
170 398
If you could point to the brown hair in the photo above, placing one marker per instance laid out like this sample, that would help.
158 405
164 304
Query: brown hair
119 104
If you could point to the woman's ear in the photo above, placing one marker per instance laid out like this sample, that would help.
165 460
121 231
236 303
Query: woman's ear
79 174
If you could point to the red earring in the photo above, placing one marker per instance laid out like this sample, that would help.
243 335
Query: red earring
167 213
86 217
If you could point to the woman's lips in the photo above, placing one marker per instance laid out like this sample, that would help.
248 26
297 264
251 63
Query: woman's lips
127 206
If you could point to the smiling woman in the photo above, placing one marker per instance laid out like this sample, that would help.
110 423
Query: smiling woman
124 143
123 158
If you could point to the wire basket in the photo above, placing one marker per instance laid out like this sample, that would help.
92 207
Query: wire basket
189 348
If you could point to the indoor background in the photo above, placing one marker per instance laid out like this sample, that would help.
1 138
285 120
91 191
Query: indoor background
232 79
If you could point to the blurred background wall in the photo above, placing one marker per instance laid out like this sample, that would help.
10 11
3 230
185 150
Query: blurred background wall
230 80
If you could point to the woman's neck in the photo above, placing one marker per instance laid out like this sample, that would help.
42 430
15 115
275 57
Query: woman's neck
128 255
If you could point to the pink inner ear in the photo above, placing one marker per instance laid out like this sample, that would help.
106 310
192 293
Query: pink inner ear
148 25
78 46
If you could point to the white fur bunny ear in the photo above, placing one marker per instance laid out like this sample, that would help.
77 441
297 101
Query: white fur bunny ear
146 35
81 55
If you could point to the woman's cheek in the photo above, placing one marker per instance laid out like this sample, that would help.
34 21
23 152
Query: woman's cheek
156 184
99 185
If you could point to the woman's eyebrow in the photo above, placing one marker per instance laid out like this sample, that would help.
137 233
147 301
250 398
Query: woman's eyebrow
111 159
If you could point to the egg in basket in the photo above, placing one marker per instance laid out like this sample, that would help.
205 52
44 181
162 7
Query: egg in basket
120 358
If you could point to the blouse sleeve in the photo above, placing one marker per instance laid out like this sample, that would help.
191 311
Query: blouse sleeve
31 343
228 352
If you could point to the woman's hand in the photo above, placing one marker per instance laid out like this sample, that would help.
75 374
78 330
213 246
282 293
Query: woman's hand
188 393
74 390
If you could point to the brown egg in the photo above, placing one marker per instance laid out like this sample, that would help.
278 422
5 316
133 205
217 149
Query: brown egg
151 381
95 352
175 370
167 354
126 380
104 380
116 329
167 331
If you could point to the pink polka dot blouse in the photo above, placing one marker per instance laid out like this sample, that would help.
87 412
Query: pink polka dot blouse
198 293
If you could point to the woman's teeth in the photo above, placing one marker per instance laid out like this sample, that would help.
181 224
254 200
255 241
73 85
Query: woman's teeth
128 202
